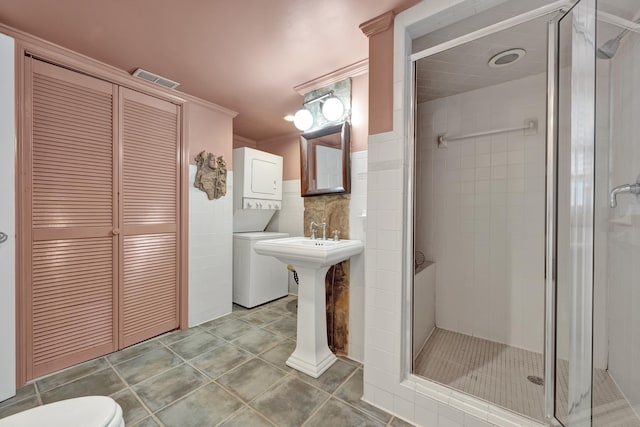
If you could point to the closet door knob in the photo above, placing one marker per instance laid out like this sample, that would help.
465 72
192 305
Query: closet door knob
115 231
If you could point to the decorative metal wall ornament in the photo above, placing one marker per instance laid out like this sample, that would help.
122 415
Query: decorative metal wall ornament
211 176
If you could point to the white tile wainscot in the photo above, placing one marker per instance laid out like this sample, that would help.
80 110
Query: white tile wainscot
357 230
210 253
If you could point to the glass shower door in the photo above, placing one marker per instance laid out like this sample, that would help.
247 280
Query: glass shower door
616 346
570 250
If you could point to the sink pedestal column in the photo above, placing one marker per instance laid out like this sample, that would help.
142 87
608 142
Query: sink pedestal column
312 355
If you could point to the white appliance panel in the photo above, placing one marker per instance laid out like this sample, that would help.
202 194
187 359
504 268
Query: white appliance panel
262 174
265 176
257 279
257 192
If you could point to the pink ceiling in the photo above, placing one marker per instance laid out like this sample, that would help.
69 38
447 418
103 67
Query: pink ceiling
246 55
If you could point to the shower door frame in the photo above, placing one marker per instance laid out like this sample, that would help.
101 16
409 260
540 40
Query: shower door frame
561 8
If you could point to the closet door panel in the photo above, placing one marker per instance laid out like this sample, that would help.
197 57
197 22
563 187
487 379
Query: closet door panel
150 200
150 286
72 280
72 302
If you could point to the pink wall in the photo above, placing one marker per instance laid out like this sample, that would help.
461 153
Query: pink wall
359 113
381 81
209 130
287 146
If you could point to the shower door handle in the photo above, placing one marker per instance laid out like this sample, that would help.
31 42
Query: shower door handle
621 189
3 237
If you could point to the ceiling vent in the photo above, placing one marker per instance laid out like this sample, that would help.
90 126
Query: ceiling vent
154 78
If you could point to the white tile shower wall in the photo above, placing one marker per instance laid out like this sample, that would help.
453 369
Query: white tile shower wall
480 211
210 253
290 218
357 225
624 240
424 306
387 382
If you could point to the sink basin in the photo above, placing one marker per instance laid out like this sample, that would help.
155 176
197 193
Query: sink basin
311 259
302 251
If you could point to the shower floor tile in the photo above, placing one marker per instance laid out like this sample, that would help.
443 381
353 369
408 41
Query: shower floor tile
498 374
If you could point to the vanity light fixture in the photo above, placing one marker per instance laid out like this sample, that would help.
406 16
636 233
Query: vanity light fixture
303 119
332 110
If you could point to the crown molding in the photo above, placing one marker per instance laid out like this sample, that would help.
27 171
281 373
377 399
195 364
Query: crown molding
208 104
378 24
353 70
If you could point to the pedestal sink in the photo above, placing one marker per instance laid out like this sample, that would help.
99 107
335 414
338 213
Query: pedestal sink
311 259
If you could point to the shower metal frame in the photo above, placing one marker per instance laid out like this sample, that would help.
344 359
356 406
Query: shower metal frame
587 11
551 222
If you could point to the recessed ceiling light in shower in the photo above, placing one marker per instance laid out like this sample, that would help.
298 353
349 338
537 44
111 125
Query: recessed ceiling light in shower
507 57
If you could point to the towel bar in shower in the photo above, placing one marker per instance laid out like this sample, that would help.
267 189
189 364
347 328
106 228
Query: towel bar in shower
530 125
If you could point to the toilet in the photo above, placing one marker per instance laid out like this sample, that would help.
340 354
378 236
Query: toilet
89 411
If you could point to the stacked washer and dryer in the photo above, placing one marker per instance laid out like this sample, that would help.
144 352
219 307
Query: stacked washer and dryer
257 195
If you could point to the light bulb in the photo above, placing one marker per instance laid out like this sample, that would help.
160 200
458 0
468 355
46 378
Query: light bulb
332 109
303 119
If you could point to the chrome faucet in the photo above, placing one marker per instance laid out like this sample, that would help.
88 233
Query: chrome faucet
312 229
625 188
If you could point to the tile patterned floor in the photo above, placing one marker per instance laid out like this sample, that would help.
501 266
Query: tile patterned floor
227 372
498 373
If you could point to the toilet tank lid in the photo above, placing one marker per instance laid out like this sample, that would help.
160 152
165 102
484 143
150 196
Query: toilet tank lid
88 411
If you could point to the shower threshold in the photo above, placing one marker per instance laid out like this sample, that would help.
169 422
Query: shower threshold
505 376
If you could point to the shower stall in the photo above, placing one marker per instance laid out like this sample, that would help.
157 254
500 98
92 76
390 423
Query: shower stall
526 210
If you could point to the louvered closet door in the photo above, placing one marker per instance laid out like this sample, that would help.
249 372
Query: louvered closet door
150 199
71 286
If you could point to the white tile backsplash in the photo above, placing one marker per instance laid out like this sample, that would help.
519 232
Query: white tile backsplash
290 218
